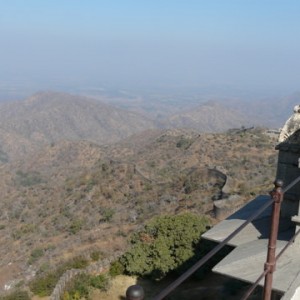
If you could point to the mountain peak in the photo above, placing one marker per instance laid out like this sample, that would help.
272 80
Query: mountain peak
48 117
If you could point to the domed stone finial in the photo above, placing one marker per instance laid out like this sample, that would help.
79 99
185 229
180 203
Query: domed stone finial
135 292
278 183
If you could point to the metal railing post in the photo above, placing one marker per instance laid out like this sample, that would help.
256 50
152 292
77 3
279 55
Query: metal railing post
277 195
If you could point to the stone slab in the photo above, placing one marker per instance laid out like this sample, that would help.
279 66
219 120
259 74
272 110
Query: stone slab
246 263
293 293
255 230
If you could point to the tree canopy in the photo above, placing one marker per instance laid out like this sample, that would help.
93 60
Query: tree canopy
164 244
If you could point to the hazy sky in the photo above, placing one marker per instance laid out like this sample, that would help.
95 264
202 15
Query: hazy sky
245 43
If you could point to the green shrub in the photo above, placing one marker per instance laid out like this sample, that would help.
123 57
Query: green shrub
16 295
90 184
24 230
163 245
66 296
184 143
3 156
35 255
107 214
78 288
78 262
96 255
75 226
44 284
100 282
116 268
45 267
28 179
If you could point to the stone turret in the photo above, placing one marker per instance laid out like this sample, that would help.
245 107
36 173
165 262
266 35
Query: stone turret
288 170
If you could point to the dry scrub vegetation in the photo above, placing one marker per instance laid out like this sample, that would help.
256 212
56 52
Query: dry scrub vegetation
74 198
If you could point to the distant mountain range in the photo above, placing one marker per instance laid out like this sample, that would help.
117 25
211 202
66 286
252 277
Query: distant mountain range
48 117
209 117
269 112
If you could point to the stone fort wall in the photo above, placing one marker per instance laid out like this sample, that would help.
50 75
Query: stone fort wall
94 269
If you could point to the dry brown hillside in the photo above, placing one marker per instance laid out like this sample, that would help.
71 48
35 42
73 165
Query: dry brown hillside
211 116
48 117
74 197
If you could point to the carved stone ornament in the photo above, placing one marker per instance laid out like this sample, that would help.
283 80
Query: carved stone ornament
290 132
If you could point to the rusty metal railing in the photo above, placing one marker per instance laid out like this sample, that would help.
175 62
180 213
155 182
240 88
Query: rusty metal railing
263 274
275 199
270 265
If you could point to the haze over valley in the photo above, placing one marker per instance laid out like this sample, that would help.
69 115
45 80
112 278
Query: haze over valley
120 116
48 117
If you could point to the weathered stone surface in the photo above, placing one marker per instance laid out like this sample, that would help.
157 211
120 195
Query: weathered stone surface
246 263
288 170
251 232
